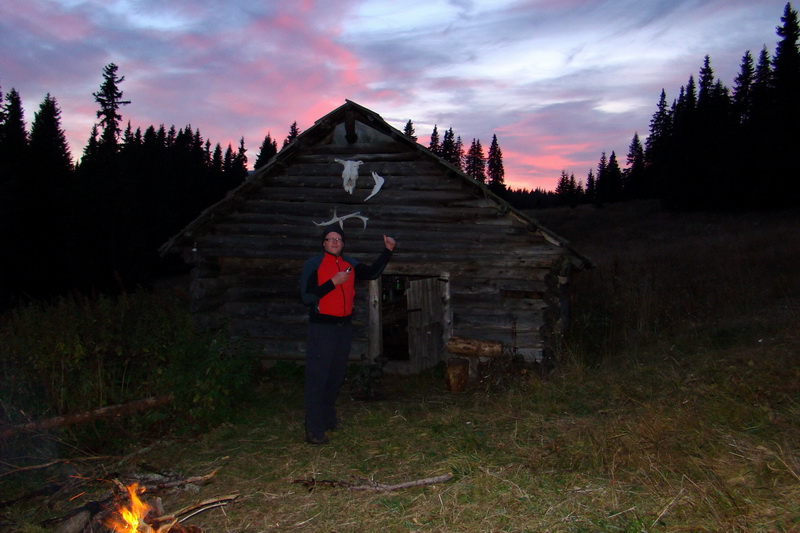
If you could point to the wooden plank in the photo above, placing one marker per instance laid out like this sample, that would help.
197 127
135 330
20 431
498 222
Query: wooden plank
519 340
475 245
375 319
387 195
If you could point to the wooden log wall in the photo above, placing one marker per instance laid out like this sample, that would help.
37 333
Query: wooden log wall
247 266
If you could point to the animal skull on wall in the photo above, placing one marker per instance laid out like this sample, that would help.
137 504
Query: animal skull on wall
349 174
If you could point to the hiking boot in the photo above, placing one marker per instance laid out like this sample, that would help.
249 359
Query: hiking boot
312 439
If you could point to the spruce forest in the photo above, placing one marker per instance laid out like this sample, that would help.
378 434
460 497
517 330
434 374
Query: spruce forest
94 225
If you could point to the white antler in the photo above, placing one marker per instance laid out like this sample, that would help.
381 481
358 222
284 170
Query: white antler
341 219
349 174
378 184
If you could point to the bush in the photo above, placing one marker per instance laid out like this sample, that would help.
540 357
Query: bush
77 354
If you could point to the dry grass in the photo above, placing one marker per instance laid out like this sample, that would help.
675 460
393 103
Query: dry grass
676 408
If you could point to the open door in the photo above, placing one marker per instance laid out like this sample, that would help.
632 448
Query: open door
428 321
413 324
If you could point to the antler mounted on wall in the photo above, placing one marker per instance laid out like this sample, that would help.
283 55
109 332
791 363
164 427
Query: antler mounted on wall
378 184
341 219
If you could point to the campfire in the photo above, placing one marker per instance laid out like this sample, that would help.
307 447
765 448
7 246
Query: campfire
134 515
139 517
130 518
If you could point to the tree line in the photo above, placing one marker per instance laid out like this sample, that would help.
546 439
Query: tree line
485 168
712 147
96 225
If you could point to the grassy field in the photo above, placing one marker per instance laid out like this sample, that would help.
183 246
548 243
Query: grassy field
675 408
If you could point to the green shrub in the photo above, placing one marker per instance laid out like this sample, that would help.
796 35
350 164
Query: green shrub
76 354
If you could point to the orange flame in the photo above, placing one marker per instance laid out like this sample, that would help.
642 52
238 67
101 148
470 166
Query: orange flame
129 519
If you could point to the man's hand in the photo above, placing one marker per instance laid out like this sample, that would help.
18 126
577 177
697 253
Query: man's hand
389 243
340 277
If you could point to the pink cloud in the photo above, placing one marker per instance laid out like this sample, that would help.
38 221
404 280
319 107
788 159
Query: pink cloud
46 20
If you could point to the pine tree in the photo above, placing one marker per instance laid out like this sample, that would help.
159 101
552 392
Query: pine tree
785 189
434 145
475 164
458 154
16 201
600 194
634 183
566 189
591 188
48 143
786 66
613 179
706 82
683 109
90 151
14 141
743 90
658 141
51 167
110 99
269 148
217 163
448 147
294 132
171 138
409 131
495 170
239 165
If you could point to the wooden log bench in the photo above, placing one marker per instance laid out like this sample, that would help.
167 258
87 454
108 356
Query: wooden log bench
474 350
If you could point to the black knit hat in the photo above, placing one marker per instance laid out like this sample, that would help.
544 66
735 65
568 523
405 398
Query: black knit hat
334 229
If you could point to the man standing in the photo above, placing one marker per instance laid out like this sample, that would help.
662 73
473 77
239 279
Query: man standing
327 286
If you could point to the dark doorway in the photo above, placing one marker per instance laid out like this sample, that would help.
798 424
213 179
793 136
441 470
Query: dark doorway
394 311
416 321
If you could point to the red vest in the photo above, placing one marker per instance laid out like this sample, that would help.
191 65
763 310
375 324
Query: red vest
338 302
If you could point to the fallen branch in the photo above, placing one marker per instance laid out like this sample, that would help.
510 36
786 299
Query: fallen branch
380 487
187 512
375 487
18 469
96 414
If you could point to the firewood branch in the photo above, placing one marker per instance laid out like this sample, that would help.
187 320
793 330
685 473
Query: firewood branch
380 487
187 512
373 486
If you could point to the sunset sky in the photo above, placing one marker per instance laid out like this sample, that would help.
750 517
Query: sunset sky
558 81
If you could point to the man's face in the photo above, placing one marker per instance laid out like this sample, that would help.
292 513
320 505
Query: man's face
333 243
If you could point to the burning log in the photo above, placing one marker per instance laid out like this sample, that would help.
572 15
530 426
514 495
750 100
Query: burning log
142 517
131 514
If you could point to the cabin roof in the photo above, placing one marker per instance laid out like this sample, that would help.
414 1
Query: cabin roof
315 134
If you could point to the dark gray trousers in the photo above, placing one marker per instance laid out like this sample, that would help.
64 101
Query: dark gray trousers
327 352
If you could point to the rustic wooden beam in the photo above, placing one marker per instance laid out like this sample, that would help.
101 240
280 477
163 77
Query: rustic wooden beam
375 320
474 347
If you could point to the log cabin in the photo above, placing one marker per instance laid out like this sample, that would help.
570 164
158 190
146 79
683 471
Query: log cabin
470 275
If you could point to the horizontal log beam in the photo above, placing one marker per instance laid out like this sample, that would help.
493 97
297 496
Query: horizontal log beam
474 347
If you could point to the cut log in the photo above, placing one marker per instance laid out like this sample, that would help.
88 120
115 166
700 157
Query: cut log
474 347
88 416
